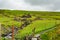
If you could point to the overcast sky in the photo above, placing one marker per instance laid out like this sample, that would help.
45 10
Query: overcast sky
52 5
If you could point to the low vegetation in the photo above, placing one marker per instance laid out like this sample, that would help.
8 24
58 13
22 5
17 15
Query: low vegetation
29 22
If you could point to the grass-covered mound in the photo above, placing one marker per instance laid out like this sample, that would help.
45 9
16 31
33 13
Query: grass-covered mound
39 26
53 34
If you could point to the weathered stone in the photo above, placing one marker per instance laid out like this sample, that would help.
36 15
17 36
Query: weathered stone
26 16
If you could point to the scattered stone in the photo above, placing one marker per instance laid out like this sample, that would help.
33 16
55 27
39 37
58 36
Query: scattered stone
26 16
17 19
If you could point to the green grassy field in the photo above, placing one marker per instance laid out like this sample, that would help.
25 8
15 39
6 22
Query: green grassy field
40 21
39 25
52 34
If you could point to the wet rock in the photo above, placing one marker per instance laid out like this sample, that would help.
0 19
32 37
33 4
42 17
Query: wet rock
26 16
16 19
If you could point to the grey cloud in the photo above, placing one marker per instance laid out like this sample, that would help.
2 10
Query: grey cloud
7 4
55 3
4 4
30 4
40 2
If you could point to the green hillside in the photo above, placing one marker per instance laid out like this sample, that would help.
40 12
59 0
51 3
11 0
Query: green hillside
27 22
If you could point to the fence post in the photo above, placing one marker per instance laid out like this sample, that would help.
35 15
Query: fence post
12 32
